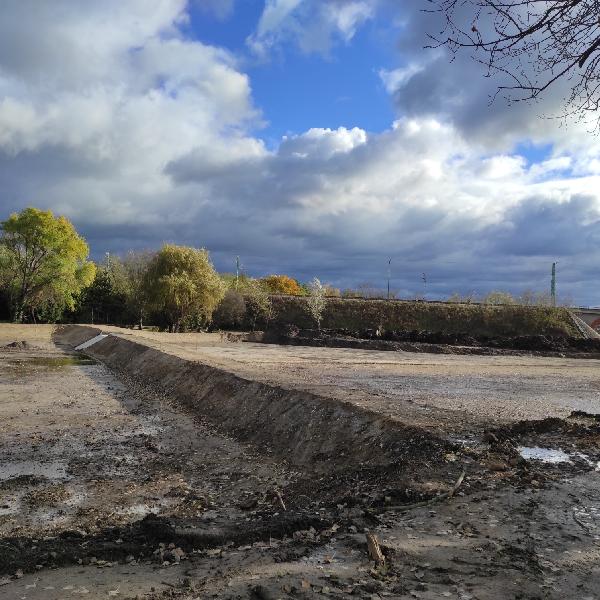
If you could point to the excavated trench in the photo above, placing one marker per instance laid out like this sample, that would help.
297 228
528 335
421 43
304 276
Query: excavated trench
303 428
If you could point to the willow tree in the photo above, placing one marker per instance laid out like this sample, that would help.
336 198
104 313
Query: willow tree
43 261
181 282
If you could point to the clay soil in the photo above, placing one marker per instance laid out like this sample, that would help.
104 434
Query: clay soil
111 490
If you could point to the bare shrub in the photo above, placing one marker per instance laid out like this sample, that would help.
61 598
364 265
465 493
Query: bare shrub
499 298
316 301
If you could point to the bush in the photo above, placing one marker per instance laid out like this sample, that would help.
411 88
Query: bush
472 319
259 306
231 311
316 301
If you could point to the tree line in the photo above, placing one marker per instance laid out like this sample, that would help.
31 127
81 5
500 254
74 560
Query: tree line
45 276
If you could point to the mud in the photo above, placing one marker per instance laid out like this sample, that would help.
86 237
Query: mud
443 393
126 487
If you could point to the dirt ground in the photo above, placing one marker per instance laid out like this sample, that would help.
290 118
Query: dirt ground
110 491
432 390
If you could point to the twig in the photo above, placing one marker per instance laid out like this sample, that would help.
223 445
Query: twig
278 494
581 523
439 498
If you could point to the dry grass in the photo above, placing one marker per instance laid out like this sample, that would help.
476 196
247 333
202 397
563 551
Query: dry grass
474 319
38 335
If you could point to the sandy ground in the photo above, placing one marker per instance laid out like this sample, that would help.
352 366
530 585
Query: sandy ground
428 389
86 459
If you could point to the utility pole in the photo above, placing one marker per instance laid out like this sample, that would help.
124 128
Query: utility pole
389 276
553 285
424 278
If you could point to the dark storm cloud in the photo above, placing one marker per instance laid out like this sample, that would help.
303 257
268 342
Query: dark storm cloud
539 228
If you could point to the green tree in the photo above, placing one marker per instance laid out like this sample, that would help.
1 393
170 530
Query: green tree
43 261
136 265
105 300
180 283
239 283
231 310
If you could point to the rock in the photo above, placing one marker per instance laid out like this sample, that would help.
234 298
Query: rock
490 437
497 465
175 555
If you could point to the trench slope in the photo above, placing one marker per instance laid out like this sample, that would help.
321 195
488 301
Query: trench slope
304 428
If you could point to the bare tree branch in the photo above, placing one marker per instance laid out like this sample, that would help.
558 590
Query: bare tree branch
535 43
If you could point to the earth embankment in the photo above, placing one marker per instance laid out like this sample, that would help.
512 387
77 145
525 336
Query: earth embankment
476 320
300 426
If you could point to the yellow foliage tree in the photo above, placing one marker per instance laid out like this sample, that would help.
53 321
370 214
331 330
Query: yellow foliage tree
281 284
42 260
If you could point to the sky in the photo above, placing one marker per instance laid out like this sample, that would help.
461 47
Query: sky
315 138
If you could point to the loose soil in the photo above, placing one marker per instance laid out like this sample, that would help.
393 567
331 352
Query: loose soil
110 486
438 342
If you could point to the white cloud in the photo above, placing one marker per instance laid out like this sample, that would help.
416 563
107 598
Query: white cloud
394 79
312 25
111 116
319 143
104 131
503 167
348 16
274 15
222 9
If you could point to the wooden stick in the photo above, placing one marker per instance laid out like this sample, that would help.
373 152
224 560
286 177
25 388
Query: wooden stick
278 494
445 496
374 548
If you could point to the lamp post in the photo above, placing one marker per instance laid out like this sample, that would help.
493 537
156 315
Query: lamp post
389 276
553 285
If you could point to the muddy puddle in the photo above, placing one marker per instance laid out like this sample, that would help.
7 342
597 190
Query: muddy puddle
53 470
51 362
557 456
545 455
